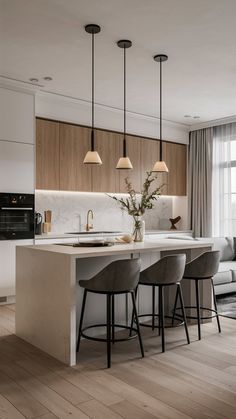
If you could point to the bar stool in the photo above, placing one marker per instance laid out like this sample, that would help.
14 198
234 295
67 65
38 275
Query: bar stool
119 277
201 268
168 271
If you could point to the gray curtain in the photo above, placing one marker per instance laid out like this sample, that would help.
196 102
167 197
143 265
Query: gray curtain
200 182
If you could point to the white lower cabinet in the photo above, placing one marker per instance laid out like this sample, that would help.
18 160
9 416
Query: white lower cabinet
8 265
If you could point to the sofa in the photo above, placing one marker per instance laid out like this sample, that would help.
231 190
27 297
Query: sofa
225 279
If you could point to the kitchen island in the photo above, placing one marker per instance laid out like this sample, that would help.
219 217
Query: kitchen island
48 297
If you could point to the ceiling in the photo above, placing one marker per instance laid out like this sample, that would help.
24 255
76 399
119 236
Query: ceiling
46 38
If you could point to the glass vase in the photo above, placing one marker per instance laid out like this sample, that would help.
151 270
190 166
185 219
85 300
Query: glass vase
138 229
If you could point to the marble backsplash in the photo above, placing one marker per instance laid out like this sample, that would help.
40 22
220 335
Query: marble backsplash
69 210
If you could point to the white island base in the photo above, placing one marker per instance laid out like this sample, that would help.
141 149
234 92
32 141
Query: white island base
48 297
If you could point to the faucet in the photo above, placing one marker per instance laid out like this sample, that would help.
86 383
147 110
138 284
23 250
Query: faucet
88 225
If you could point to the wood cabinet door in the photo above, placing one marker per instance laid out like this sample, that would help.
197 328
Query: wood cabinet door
74 144
105 177
175 156
134 153
47 154
150 153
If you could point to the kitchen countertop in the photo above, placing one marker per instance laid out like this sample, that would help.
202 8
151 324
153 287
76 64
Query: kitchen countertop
163 244
75 235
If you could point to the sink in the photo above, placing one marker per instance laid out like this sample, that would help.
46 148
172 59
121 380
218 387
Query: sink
94 232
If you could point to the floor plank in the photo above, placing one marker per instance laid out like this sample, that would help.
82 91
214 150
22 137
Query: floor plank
195 381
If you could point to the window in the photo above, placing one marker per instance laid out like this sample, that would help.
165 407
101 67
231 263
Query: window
224 180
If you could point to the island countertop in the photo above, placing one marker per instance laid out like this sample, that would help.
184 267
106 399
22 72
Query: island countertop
165 244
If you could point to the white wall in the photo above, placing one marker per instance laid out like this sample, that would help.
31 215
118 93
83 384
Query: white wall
79 112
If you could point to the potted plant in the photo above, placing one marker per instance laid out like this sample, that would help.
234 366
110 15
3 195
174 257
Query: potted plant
137 203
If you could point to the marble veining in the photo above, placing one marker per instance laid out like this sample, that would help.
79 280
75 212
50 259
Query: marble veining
69 210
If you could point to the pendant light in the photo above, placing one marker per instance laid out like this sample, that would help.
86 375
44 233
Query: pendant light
160 165
124 161
92 156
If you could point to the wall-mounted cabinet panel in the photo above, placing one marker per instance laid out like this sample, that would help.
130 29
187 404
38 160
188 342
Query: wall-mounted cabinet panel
175 156
16 167
61 147
47 154
105 178
74 143
150 153
134 153
16 116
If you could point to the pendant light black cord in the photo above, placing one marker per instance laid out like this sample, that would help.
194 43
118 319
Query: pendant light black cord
124 141
160 110
92 132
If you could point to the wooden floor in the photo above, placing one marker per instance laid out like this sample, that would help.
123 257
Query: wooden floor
188 381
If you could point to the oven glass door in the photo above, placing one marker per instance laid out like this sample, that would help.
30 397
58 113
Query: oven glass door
16 223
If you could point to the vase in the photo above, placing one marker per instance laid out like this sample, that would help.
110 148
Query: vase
138 229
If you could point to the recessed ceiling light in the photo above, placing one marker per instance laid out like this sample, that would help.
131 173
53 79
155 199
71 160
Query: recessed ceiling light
187 116
47 78
196 117
34 80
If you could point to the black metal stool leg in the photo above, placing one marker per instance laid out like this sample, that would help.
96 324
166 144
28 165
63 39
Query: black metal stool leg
175 305
183 312
137 322
198 308
159 311
215 304
113 317
81 320
132 319
153 306
162 316
108 330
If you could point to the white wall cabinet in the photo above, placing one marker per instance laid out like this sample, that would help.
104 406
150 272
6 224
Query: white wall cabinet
16 167
8 265
17 116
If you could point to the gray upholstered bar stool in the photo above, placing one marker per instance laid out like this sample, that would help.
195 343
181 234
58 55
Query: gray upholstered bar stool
168 271
120 277
201 268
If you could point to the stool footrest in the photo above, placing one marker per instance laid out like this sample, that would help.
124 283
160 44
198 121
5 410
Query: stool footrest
195 317
180 322
120 326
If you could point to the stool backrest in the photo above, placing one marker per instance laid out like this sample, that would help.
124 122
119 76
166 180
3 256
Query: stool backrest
168 270
118 276
204 266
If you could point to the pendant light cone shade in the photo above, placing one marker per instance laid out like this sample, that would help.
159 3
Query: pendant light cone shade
124 161
92 156
160 166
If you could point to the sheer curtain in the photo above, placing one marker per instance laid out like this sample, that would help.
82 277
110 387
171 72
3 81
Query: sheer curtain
200 182
224 181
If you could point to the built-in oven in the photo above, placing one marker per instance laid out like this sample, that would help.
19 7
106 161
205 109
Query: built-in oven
16 216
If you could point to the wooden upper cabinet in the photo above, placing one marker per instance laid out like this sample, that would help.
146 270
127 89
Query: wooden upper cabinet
105 177
175 156
47 154
150 152
134 153
74 144
61 148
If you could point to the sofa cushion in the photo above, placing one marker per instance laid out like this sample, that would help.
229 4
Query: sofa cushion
222 278
234 274
227 266
225 246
